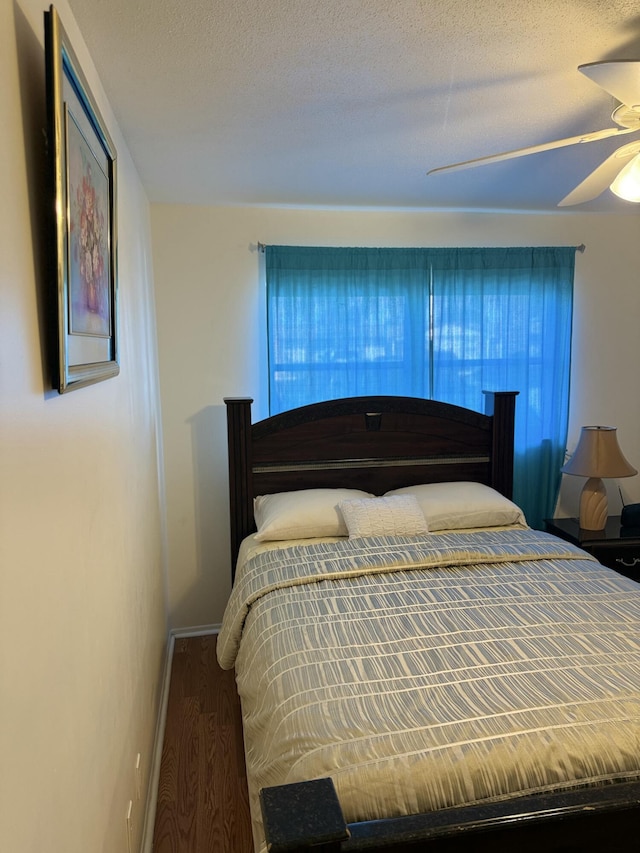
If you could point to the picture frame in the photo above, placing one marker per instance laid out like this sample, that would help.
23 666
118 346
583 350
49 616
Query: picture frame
82 161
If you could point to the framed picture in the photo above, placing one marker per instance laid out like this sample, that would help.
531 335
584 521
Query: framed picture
83 177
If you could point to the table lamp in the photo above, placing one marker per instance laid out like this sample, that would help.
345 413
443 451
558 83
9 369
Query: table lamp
597 455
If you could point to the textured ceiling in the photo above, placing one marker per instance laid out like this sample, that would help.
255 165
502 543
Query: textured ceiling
351 102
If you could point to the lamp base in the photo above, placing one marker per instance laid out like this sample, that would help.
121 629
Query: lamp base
593 505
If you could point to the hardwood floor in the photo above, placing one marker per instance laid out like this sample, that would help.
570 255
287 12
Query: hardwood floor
202 795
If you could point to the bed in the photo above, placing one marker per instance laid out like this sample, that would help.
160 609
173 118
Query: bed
418 669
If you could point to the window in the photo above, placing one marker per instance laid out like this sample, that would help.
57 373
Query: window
440 323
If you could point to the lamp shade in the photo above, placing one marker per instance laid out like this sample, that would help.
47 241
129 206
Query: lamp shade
598 454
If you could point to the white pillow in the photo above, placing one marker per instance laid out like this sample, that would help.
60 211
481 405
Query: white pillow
306 514
399 515
455 506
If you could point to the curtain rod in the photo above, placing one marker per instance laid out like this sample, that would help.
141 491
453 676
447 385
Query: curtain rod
580 248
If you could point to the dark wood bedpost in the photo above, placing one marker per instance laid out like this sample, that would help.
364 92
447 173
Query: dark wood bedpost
240 466
303 817
501 405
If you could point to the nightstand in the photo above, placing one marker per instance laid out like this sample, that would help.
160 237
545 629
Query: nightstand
616 547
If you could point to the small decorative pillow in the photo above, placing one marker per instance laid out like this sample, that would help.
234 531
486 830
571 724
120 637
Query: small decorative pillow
456 506
306 514
387 516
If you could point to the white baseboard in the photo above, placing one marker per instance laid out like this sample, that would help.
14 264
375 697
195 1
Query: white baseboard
156 758
196 631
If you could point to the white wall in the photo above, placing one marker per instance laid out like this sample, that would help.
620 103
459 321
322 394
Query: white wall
82 600
211 341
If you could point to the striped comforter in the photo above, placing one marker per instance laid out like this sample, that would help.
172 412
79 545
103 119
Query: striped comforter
438 671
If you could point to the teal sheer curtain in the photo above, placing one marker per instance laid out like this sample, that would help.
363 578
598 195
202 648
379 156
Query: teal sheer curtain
502 322
440 323
345 322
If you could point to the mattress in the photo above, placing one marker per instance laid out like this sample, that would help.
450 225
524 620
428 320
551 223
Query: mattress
421 673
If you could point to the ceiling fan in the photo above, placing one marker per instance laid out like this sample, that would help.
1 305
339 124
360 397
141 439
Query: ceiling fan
620 171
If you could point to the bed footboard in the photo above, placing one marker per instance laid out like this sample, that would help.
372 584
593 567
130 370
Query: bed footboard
305 817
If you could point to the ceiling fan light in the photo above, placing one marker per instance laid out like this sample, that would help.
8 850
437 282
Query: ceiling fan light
627 183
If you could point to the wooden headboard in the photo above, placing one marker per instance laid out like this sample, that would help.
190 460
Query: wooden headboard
371 443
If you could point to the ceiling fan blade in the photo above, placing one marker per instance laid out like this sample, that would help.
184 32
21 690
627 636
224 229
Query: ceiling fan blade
602 177
619 78
534 149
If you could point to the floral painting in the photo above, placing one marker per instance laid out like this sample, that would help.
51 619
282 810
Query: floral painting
84 346
89 275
